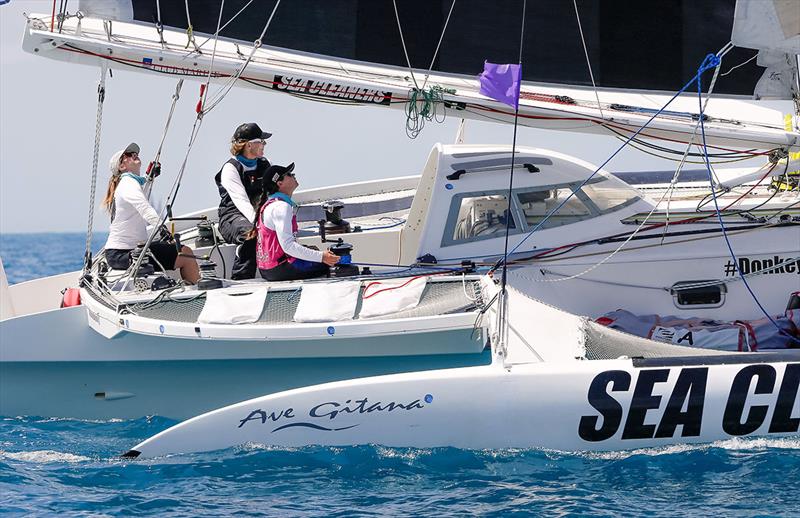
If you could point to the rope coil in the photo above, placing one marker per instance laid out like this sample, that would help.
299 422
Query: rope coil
423 105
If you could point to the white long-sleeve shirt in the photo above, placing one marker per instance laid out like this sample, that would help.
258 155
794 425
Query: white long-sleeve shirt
232 182
277 216
132 214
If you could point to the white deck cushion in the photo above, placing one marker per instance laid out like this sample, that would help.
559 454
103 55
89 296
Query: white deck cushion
391 295
227 308
327 302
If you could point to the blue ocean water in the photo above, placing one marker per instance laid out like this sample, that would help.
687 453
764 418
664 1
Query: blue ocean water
72 467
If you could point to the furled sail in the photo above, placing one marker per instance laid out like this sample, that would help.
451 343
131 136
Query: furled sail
152 48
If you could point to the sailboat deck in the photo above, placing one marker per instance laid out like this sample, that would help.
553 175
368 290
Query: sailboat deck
438 298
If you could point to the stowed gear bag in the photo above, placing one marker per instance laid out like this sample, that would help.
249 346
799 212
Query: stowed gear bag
741 335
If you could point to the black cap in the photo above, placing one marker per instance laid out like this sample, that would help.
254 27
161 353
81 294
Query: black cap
272 175
250 131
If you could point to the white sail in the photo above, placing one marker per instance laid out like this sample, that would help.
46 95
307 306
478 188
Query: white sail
136 45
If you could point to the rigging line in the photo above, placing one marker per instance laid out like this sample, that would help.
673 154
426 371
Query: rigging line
189 29
678 170
204 95
256 45
157 159
227 23
62 9
715 61
160 25
436 52
614 154
403 42
101 95
739 65
503 325
588 62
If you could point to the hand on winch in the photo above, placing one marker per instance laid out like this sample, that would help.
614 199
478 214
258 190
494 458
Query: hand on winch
330 258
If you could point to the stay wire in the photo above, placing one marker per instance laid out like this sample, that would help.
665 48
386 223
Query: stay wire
403 43
501 313
438 45
588 62
157 158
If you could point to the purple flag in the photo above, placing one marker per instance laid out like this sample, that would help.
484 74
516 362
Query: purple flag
501 83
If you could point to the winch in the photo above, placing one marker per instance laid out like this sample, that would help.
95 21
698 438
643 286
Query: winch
208 276
333 222
146 267
343 268
205 235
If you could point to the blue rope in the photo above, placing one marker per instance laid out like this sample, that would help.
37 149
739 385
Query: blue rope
713 61
703 68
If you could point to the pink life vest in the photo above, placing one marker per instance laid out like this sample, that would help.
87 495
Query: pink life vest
269 252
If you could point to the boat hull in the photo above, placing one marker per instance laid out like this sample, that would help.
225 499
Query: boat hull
571 406
52 364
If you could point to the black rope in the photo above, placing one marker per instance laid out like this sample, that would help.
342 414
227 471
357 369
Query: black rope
513 156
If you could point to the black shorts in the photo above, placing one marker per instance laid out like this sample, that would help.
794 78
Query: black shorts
165 253
297 270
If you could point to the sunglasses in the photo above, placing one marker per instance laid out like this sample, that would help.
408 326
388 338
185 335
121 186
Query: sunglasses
130 155
257 141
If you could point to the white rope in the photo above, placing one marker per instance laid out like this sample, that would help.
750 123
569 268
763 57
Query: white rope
157 159
438 45
588 62
403 42
190 29
101 96
739 65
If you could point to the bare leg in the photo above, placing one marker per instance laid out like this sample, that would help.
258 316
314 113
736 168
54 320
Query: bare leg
190 271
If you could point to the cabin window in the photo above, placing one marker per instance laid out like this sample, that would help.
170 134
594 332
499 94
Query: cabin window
482 217
607 196
537 204
698 294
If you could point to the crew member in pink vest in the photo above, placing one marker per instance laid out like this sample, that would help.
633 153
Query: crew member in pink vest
278 254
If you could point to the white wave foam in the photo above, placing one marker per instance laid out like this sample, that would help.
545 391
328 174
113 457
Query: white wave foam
409 454
43 457
760 443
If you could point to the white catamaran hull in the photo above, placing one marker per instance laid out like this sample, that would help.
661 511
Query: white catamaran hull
591 405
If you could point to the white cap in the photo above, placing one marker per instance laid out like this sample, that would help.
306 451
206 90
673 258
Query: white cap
116 158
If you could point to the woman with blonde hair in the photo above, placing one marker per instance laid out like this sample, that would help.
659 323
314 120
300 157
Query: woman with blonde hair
239 184
131 213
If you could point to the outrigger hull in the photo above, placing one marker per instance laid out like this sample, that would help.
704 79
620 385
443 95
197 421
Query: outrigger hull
571 406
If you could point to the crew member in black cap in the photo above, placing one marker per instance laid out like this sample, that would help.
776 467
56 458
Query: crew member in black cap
239 184
280 257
